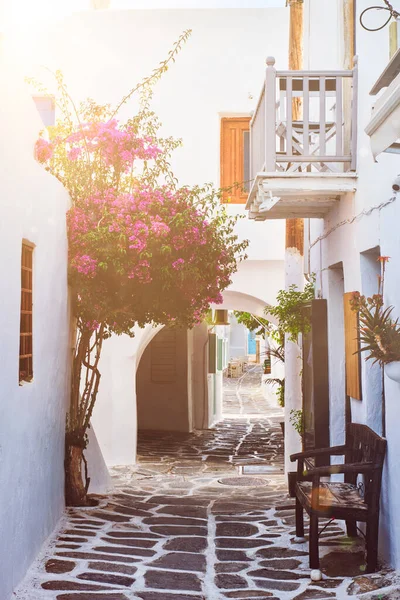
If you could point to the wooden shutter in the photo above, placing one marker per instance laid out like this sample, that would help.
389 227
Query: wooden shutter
26 329
235 158
212 352
315 379
163 356
353 361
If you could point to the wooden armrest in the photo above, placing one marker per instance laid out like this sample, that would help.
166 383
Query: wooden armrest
334 450
348 468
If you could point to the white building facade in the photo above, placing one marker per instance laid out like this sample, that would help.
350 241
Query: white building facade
350 211
344 254
35 342
216 76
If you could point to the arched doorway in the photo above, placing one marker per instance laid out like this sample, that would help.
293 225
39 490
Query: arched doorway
182 405
163 390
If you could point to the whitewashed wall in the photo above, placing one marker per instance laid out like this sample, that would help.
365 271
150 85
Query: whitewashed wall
218 73
238 338
32 416
345 260
115 417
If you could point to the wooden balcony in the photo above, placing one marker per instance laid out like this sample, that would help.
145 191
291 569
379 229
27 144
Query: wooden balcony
301 167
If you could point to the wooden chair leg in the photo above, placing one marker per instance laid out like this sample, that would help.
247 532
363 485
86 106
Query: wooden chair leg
313 542
372 544
351 527
299 519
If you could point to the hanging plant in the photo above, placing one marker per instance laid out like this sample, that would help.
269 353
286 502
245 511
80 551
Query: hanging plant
277 352
289 311
280 393
379 334
257 324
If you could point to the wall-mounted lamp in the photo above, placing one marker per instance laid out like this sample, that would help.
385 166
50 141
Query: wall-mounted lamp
221 317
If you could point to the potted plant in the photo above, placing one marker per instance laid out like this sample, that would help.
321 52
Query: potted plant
297 422
267 364
277 352
293 319
379 332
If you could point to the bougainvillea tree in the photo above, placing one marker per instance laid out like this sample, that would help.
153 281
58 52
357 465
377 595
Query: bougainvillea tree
141 248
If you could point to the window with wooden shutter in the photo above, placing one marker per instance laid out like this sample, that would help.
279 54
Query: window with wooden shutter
353 358
25 335
235 158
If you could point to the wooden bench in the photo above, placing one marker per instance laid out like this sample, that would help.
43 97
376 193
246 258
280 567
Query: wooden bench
350 501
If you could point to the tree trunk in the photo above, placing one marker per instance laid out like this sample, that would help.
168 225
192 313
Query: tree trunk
75 489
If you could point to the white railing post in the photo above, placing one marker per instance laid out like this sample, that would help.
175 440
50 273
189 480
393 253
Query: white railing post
306 115
322 116
354 116
289 116
270 116
339 116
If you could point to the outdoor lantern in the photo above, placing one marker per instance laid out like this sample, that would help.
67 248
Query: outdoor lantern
221 317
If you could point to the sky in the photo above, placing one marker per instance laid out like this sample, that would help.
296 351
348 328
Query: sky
17 14
198 3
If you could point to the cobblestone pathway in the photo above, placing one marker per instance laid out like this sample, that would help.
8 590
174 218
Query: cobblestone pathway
243 396
177 527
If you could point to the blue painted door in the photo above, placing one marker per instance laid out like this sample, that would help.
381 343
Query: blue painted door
251 343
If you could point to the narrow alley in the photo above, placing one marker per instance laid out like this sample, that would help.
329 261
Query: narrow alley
194 520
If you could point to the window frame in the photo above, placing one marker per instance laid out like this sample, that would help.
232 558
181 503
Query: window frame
25 372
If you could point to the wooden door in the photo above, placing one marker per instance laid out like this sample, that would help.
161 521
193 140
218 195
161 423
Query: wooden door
316 380
353 358
235 158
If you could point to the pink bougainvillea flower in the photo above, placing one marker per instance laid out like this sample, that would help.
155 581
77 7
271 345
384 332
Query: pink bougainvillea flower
139 252
43 150
85 264
74 153
93 325
178 264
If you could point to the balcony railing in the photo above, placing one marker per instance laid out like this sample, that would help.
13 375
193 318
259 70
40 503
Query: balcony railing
324 138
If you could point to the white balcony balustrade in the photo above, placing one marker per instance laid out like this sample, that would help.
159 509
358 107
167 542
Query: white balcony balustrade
300 167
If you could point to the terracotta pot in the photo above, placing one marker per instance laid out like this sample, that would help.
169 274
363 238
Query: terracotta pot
392 370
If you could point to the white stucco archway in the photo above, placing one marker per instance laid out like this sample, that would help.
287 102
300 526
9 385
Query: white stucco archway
244 302
115 416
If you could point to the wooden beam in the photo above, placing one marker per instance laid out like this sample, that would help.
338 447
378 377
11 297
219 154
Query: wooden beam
295 227
296 48
348 34
348 63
